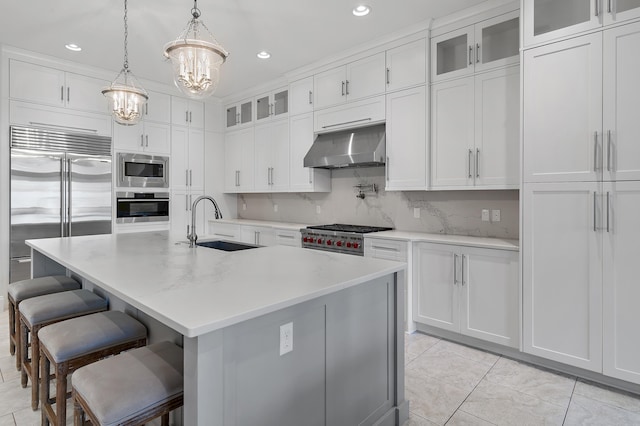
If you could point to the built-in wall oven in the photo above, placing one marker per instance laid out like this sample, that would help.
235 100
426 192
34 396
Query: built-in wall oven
142 171
136 207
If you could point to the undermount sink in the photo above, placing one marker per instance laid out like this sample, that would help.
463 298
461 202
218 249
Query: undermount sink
225 245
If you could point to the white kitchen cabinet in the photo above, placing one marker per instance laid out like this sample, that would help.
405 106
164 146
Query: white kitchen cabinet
406 140
187 112
239 160
563 111
158 108
150 137
304 179
488 44
239 114
621 293
258 235
356 80
475 131
360 113
468 290
562 272
621 124
406 65
272 105
32 114
180 215
54 87
287 237
547 20
399 251
301 96
187 159
225 231
272 156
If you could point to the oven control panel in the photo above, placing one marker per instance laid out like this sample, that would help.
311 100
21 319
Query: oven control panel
340 242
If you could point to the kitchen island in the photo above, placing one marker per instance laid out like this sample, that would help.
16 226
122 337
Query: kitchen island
227 309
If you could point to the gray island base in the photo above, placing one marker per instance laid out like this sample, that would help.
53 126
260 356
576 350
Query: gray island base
346 363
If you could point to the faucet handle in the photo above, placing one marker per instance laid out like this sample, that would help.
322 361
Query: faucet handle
188 232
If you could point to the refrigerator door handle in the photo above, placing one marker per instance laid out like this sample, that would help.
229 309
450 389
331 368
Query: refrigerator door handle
63 196
67 218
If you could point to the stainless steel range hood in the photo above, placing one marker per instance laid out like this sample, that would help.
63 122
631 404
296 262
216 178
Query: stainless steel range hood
362 147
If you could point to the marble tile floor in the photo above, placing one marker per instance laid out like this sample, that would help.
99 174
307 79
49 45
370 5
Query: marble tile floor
447 384
451 384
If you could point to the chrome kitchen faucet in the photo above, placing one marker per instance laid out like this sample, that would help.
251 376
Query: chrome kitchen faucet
191 233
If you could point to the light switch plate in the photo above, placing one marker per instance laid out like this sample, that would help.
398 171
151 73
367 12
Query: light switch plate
485 215
416 212
318 210
495 215
286 338
275 208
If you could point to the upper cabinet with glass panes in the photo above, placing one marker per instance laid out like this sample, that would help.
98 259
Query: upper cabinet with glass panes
272 105
547 20
488 44
239 114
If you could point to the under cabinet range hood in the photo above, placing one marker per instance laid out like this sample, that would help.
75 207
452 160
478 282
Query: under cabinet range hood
361 147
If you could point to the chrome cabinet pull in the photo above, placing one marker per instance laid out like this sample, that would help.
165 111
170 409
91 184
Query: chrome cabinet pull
455 269
62 93
597 8
237 177
388 81
310 97
343 88
346 122
608 150
310 177
609 9
190 117
477 164
141 140
146 138
146 109
238 118
68 94
594 212
470 55
190 202
186 177
469 163
477 53
268 175
608 209
186 116
347 87
386 166
462 268
190 177
595 151
186 207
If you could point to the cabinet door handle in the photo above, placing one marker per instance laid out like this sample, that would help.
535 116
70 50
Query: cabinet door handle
597 7
455 269
609 8
477 53
142 140
477 162
186 207
388 80
186 116
310 176
190 202
347 87
343 88
462 269
238 118
470 55
61 93
146 109
386 166
608 209
268 175
237 177
310 97
186 177
190 116
68 94
346 122
469 162
190 177
594 212
146 138
608 150
595 151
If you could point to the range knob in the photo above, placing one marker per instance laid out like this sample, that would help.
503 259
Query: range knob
339 243
319 240
355 245
329 242
348 245
305 239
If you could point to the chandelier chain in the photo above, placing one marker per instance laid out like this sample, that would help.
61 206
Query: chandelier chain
195 12
126 35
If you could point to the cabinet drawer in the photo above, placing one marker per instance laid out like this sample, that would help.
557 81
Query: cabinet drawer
355 114
385 249
288 238
226 231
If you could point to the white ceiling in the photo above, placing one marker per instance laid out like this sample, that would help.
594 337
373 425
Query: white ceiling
296 32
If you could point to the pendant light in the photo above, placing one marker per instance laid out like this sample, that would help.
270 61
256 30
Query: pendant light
126 98
196 61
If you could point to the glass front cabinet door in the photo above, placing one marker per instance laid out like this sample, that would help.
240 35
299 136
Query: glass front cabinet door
272 105
239 114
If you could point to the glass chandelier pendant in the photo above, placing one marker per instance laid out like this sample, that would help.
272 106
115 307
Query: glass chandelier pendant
126 98
196 61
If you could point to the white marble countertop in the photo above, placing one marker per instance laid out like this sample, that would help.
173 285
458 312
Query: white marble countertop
462 240
276 225
195 291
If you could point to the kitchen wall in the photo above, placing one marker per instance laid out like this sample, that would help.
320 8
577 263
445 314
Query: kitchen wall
444 212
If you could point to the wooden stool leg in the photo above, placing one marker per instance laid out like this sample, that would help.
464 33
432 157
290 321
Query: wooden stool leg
78 413
12 327
45 367
24 352
35 368
61 393
16 325
165 419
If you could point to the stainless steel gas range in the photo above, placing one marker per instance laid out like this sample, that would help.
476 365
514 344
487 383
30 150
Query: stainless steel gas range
338 238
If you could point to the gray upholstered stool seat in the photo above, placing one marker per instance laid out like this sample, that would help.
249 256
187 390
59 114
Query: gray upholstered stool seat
26 289
131 388
41 311
76 342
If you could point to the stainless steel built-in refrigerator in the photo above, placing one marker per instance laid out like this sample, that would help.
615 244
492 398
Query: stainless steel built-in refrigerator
60 186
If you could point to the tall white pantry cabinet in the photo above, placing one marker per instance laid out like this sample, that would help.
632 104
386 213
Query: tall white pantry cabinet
581 198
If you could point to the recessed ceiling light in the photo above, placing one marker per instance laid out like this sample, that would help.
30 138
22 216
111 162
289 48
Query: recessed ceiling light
264 55
73 47
361 10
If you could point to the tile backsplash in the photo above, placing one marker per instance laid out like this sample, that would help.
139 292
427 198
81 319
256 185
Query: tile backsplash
444 212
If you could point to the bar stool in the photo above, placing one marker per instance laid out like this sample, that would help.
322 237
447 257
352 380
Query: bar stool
71 344
131 388
26 289
40 311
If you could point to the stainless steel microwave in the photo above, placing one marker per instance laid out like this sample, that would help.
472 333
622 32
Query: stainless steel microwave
134 207
142 171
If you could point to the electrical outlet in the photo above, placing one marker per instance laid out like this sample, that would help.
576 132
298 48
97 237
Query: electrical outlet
244 206
286 338
495 215
416 212
485 215
275 208
318 210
